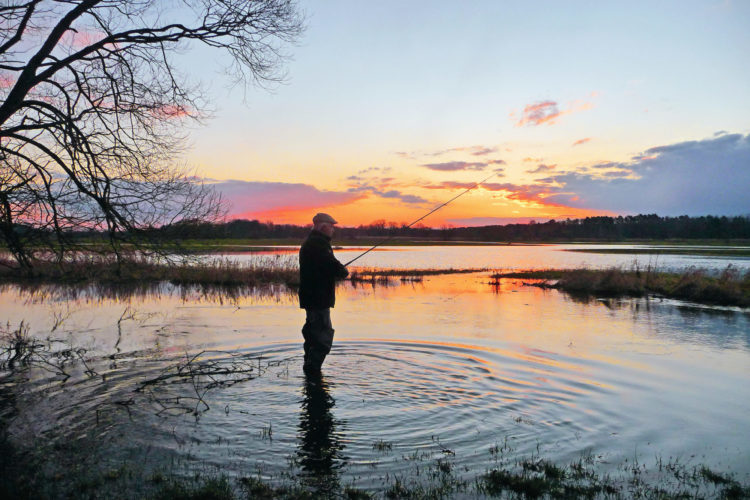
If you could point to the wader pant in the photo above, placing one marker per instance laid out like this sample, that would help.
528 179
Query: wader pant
318 334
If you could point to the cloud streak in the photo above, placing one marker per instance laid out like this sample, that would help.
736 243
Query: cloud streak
452 166
476 150
541 168
390 194
472 150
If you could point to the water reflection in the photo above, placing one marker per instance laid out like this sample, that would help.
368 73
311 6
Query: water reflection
175 374
320 453
540 256
97 292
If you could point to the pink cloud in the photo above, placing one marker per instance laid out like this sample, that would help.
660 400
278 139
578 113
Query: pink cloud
6 82
171 111
81 38
247 199
539 113
582 141
548 112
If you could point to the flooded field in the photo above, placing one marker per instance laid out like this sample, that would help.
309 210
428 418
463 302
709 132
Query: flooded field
543 256
451 368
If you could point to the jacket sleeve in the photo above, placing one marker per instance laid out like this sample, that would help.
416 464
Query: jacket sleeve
341 270
329 263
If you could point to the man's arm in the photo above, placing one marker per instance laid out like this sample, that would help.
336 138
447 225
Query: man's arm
341 270
329 263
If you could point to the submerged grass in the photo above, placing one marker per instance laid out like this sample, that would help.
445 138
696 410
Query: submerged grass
728 288
384 276
504 476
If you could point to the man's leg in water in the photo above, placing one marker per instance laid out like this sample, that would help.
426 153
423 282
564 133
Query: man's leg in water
318 334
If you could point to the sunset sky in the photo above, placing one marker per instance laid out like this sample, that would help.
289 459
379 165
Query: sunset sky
580 108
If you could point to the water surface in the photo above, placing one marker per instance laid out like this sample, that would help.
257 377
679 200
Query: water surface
448 367
543 256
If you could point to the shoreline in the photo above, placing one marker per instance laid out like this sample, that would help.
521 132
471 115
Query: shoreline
728 288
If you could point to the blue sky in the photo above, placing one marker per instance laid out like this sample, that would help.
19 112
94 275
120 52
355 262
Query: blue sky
375 91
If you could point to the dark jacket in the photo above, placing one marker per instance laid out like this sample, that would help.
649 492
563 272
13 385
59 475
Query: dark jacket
318 272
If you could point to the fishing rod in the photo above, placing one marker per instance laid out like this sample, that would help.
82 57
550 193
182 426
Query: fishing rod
424 216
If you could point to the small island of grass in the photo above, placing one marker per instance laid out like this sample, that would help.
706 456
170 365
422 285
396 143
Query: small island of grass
728 288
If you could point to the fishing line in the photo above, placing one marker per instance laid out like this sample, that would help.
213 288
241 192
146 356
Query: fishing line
424 216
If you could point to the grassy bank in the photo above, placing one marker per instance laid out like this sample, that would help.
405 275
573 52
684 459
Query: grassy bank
215 273
729 288
279 269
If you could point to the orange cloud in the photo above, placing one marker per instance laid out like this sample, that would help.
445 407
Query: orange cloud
582 141
527 193
450 185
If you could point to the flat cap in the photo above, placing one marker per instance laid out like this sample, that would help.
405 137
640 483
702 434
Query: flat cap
321 217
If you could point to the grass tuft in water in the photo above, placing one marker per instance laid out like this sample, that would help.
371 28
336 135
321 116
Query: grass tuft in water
382 445
211 489
729 288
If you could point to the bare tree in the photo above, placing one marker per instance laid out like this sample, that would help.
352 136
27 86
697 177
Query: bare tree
93 107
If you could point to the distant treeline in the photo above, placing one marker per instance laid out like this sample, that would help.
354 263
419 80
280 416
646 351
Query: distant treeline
636 227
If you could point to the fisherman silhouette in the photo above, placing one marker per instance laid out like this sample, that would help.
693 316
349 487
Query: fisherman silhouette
318 270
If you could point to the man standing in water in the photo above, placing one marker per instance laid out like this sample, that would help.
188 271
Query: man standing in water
318 270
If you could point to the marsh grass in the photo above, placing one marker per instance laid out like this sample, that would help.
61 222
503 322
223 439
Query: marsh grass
218 272
221 273
387 276
525 478
728 288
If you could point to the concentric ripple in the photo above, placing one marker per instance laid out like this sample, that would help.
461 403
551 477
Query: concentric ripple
378 401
